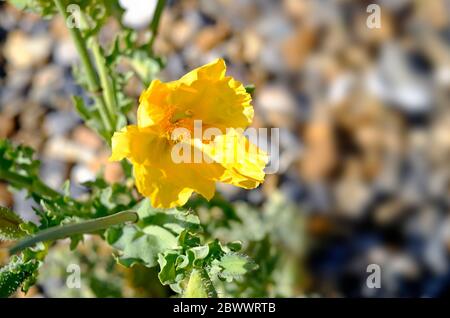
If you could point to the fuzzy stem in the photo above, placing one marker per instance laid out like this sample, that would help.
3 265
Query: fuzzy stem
91 75
35 186
108 89
199 285
154 26
64 231
208 284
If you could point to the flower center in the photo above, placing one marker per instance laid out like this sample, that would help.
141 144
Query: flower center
175 119
177 116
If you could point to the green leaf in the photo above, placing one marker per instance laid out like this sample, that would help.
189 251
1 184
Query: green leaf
90 115
75 240
199 252
196 287
167 263
250 89
81 108
15 274
10 225
105 288
235 246
107 199
18 159
19 4
188 240
140 245
235 265
44 8
171 239
156 232
145 66
174 220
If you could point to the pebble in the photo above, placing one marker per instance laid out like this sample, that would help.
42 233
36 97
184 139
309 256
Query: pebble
60 123
23 205
278 105
86 137
319 157
65 53
6 197
113 172
183 32
61 148
81 173
54 172
138 13
361 194
46 84
7 125
31 118
211 36
24 51
397 84
30 138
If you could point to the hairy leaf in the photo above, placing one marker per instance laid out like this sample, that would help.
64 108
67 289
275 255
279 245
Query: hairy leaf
196 287
15 274
10 225
235 265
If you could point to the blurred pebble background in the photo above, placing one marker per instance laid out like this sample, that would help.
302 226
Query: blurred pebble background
364 119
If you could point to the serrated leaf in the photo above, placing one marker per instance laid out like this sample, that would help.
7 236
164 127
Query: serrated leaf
235 265
235 246
183 261
18 159
174 220
199 252
43 7
167 263
250 89
188 240
144 65
10 225
196 286
15 274
81 108
216 251
75 240
140 245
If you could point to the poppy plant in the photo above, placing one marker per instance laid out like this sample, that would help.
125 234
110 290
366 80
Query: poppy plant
206 96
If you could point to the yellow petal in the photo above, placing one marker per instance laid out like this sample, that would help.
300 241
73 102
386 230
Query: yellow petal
223 103
166 181
213 71
205 94
243 161
154 184
138 145
153 104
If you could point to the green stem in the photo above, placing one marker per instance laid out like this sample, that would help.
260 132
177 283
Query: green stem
91 75
154 26
64 231
108 89
32 185
208 284
200 285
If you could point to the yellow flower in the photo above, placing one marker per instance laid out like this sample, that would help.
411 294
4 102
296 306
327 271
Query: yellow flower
169 166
